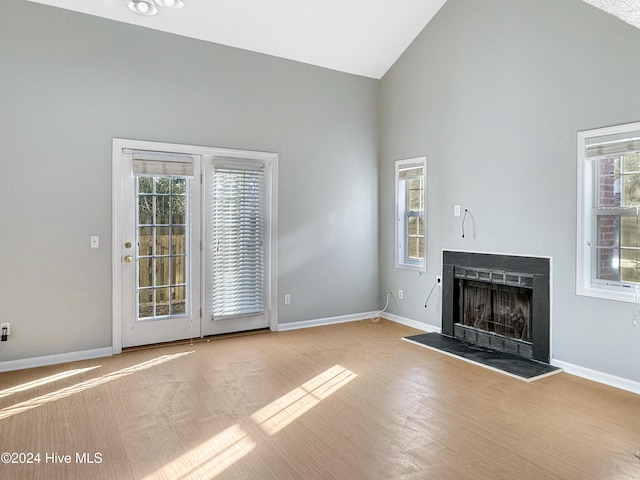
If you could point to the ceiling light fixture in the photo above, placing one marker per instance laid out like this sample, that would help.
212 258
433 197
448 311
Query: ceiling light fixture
149 8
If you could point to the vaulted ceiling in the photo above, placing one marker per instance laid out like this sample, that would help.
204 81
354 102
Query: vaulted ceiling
363 37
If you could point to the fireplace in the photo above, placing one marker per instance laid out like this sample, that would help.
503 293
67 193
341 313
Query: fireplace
497 301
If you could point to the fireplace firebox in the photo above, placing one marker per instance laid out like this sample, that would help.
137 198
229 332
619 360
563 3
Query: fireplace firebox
498 301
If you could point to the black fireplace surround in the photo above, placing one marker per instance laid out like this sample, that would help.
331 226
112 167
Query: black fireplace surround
521 272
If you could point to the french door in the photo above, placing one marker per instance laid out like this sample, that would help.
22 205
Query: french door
161 251
236 248
194 244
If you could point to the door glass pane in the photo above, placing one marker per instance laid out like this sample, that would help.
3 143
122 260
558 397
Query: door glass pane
178 300
145 210
145 241
178 241
178 271
163 266
162 240
163 206
163 256
178 209
145 303
145 272
162 302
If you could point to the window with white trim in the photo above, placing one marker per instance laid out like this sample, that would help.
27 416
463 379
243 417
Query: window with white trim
410 177
608 249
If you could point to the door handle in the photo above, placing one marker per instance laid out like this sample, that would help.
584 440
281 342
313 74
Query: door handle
128 259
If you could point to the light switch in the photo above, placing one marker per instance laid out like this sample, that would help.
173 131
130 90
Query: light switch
95 241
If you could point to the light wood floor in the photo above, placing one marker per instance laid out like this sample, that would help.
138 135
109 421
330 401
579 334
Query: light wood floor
350 401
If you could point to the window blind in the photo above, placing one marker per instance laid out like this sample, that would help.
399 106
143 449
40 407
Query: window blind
162 164
237 262
410 170
613 145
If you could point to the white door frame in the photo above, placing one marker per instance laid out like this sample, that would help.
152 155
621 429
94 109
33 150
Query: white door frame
271 162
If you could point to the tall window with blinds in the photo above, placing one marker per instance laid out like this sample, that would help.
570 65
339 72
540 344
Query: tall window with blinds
411 213
609 227
237 229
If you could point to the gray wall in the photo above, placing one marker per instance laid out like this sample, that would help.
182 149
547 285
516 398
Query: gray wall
493 93
72 82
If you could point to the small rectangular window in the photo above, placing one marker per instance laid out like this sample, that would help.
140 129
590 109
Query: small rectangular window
411 217
609 212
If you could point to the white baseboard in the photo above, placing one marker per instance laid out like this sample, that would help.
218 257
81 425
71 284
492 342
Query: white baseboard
33 362
283 327
594 375
425 327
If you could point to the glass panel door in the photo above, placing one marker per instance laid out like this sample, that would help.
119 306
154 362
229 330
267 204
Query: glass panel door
161 269
163 238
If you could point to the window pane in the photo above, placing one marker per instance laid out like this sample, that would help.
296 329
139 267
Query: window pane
178 209
607 264
145 209
162 302
163 184
414 227
179 186
178 300
145 272
630 231
178 241
415 247
608 228
163 205
629 265
162 270
178 271
162 241
632 190
145 241
415 194
145 303
145 184
632 163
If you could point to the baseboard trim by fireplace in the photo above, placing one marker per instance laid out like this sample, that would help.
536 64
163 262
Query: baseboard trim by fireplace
505 363
599 377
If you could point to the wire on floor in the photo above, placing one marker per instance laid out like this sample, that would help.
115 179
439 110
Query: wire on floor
376 317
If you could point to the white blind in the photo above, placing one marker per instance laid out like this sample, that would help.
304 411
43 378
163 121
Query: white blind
410 170
613 145
162 164
238 232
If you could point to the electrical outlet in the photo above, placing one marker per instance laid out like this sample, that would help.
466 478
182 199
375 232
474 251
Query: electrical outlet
287 299
6 324
456 210
400 294
439 280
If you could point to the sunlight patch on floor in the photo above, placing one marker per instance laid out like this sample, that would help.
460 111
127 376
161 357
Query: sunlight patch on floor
86 385
210 458
43 381
285 410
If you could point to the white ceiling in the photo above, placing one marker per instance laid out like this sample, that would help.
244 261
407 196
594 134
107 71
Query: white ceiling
363 37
